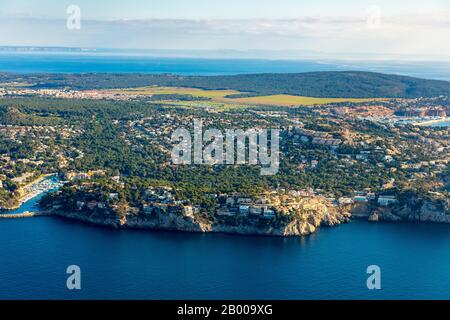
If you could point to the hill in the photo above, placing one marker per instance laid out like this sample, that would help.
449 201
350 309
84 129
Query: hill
345 84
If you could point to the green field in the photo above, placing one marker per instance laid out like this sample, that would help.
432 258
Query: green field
15 85
181 91
220 96
289 100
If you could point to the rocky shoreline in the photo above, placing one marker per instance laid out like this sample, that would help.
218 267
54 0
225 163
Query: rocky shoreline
413 210
427 213
305 217
174 222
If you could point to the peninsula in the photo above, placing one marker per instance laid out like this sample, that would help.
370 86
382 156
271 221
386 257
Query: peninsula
109 139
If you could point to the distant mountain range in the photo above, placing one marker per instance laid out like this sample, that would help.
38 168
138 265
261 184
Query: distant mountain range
345 84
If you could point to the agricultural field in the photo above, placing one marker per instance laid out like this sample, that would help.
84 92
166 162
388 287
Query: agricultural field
220 96
15 84
289 100
212 94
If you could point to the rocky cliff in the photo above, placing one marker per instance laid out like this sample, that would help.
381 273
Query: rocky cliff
169 221
312 214
435 211
304 219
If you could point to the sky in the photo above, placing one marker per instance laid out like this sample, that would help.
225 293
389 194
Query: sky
376 29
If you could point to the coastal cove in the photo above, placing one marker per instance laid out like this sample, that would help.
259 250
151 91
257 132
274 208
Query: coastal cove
34 192
330 263
141 227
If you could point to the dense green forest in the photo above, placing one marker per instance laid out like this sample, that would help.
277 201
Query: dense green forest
131 139
346 84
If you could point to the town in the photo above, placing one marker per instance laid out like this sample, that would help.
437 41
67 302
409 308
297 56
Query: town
112 154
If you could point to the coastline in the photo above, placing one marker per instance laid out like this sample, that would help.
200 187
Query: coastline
27 196
174 222
188 225
431 122
298 226
142 224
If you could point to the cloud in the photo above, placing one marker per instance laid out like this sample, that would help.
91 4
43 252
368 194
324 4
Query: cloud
425 35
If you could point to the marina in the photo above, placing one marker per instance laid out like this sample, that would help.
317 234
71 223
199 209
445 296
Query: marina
33 193
45 184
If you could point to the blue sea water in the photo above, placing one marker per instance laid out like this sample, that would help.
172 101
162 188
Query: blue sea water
110 63
144 264
132 264
85 63
441 124
32 204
